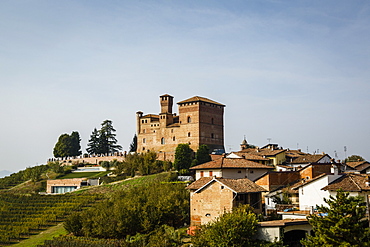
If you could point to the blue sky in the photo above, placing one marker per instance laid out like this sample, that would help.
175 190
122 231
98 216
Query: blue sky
293 71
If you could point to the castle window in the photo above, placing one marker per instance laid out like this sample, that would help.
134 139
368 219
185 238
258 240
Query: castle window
143 140
189 119
212 120
173 138
163 141
143 130
189 134
212 136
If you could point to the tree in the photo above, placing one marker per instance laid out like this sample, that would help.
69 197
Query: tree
340 224
68 145
133 145
75 147
354 158
93 144
202 155
107 138
183 157
236 228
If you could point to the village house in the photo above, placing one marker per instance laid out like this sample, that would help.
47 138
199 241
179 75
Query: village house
360 166
304 160
233 168
354 183
210 197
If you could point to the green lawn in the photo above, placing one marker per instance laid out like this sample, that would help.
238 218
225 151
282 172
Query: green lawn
85 175
39 239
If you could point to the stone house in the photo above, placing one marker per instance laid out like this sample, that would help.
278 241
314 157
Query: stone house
210 197
58 186
200 121
360 166
233 168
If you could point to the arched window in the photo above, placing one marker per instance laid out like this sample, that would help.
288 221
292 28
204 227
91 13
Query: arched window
189 119
163 141
143 140
173 138
189 134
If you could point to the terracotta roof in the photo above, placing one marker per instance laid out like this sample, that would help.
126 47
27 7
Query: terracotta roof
250 156
308 158
242 185
359 165
267 152
151 116
350 182
231 163
198 99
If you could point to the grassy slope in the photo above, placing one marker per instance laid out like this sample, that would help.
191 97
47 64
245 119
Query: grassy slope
39 239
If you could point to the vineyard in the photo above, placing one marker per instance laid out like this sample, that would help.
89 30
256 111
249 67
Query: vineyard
23 215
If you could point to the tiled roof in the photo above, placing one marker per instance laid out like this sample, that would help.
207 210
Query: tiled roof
267 152
242 185
308 158
359 165
151 116
231 163
198 99
350 182
250 156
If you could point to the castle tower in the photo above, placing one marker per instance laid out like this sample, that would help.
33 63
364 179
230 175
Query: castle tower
166 116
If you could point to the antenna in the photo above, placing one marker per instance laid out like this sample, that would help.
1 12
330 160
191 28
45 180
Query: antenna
345 152
269 139
335 154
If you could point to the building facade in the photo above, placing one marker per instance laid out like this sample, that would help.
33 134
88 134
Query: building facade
200 121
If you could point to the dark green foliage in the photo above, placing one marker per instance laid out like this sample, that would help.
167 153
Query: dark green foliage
108 141
142 164
354 158
68 145
183 157
344 225
133 145
202 155
236 228
138 210
103 141
93 144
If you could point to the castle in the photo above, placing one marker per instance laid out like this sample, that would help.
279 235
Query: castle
200 121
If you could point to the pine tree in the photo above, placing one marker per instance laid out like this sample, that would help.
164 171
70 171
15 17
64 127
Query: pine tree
340 224
75 147
133 145
107 139
93 144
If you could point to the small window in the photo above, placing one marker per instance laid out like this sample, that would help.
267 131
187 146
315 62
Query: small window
212 136
143 140
222 187
201 174
163 141
208 215
210 173
189 134
239 171
189 119
212 121
173 138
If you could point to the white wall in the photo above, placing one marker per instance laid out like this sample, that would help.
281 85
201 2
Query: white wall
311 194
